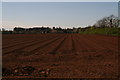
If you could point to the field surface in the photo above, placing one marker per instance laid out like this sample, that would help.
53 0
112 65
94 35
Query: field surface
65 55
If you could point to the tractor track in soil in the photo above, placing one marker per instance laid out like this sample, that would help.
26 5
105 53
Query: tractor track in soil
28 45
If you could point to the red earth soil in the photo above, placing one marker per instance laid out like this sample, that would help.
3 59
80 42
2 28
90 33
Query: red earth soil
66 55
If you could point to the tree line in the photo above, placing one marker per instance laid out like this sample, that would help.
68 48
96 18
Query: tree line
111 22
37 30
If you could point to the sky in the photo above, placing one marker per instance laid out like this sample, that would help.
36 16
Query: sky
55 14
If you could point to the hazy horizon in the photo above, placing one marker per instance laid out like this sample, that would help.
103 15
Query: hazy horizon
55 14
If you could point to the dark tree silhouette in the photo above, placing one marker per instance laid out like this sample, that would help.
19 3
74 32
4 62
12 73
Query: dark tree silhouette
111 21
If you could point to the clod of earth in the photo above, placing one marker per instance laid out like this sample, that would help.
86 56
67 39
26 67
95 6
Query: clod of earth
6 72
44 72
29 69
18 72
24 71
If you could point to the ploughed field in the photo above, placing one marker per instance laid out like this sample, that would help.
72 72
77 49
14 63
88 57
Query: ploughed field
59 56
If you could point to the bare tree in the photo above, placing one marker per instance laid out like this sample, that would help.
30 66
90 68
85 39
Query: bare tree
111 21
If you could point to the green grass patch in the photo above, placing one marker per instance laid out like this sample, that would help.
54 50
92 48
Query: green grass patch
104 31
